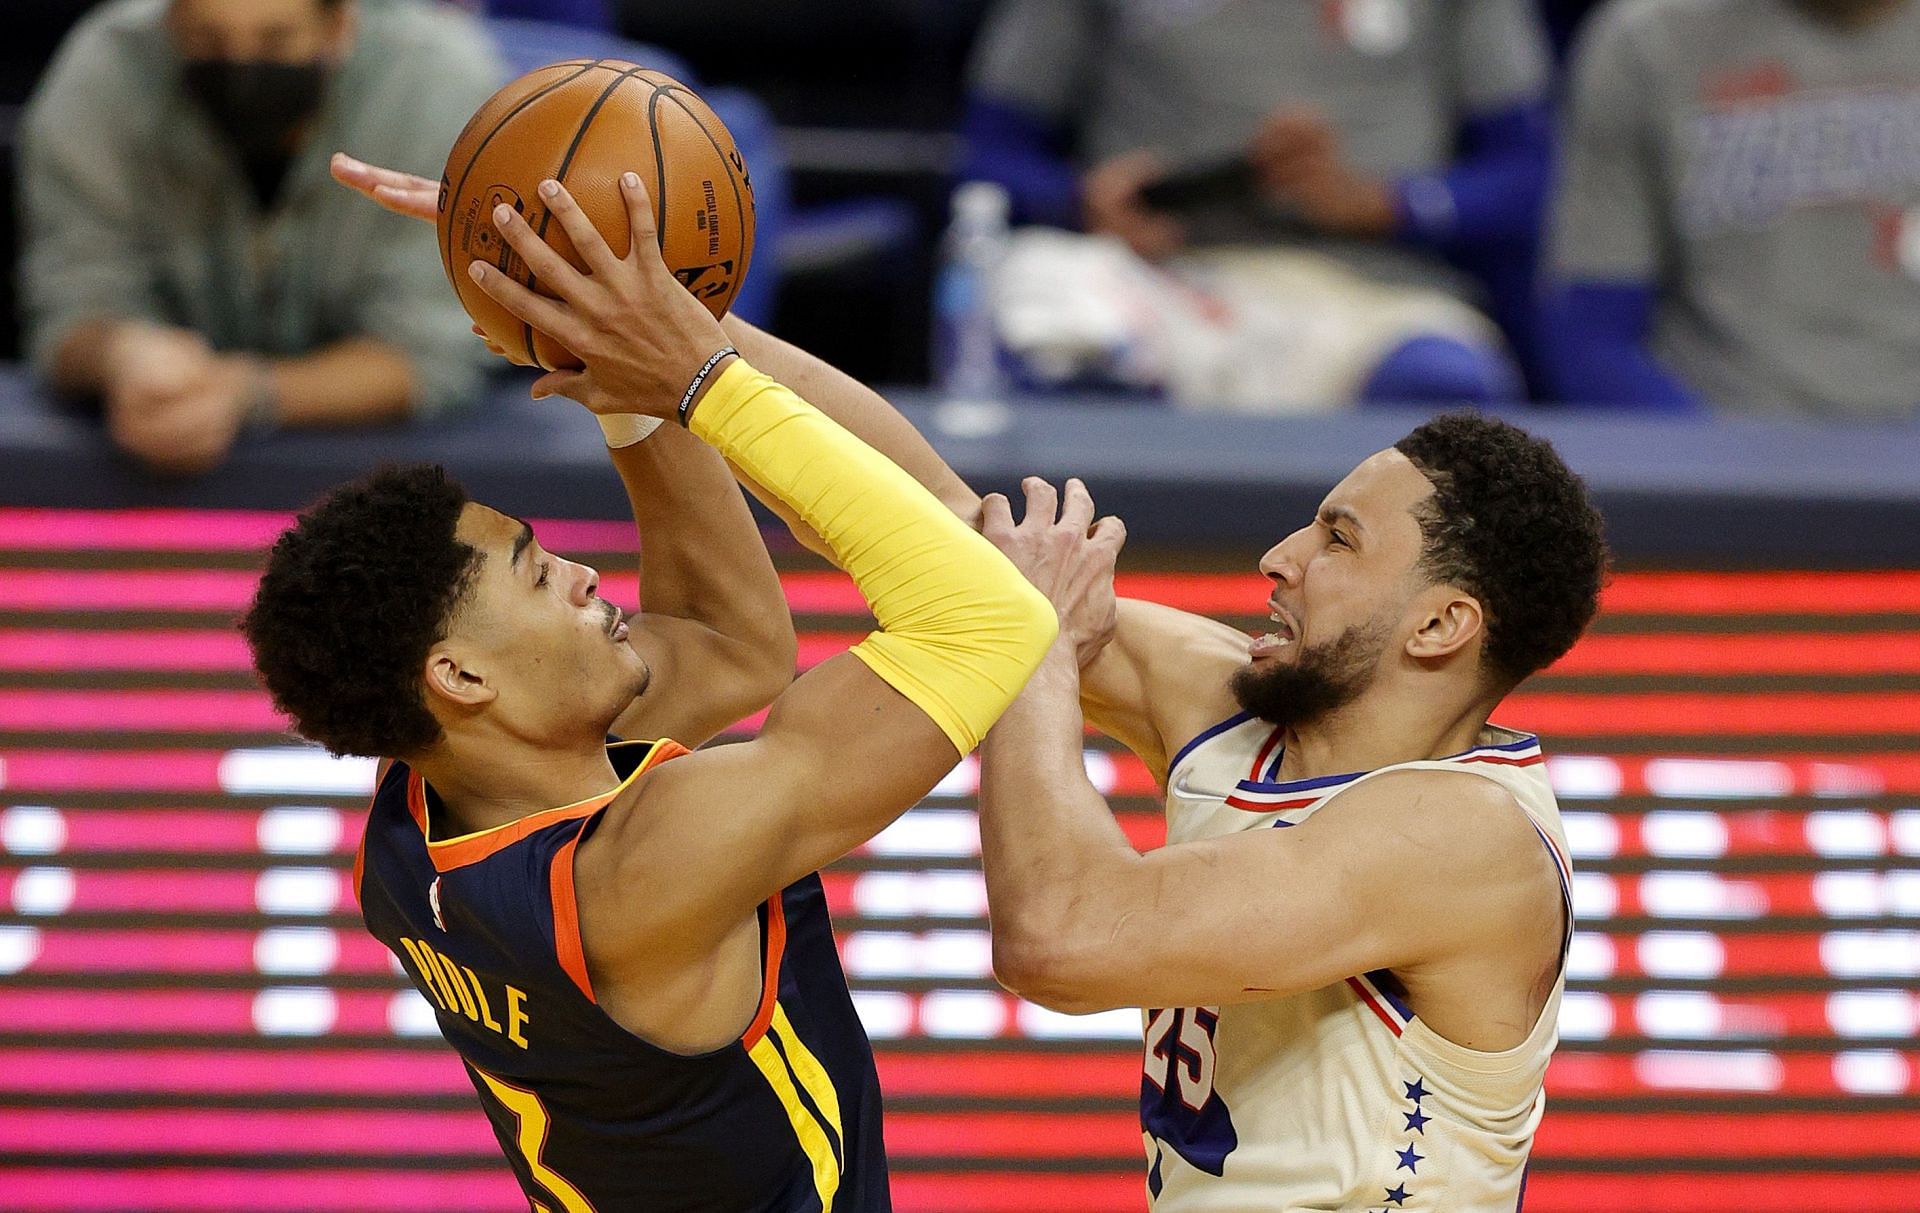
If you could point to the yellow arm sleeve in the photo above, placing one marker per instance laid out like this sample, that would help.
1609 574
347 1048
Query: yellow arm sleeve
961 629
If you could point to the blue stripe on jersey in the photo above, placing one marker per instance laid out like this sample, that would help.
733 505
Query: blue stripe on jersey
1238 718
1297 785
1392 990
1273 768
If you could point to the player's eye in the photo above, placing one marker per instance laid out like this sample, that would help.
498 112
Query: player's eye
1340 539
542 580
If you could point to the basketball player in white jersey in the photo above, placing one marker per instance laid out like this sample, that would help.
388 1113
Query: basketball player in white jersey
1354 942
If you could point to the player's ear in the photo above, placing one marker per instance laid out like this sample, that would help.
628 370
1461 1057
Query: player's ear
1449 621
454 681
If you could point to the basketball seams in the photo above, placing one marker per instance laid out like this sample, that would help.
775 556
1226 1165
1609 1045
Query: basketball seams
459 191
740 206
560 174
659 164
555 114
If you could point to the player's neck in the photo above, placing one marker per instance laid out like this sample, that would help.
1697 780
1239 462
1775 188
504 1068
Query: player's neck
490 781
1377 731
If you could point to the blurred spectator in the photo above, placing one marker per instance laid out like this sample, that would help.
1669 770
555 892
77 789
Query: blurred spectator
588 14
1738 220
187 258
1311 175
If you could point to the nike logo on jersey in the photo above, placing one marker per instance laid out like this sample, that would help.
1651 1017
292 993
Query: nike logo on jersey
433 902
1180 787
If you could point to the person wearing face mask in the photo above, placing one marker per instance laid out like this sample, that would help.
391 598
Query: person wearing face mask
188 263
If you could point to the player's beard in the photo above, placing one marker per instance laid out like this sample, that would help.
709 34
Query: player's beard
1317 682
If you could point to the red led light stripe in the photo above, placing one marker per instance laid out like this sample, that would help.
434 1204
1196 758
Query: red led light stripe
1100 1071
1020 1192
56 711
177 1071
188 1189
179 891
1713 715
88 1016
184 951
136 651
1739 1191
362 1131
1574 1073
1721 1135
1768 593
1836 654
181 831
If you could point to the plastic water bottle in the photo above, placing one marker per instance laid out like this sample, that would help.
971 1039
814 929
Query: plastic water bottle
967 355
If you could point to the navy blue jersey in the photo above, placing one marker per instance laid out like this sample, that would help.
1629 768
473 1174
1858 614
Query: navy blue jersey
592 1118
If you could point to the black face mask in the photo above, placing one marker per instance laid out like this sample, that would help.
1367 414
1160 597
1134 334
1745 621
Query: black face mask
256 104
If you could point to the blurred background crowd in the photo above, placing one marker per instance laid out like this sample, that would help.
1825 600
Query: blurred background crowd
1255 206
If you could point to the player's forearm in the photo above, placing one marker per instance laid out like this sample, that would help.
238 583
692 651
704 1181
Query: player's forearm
1054 857
859 409
349 382
701 558
961 630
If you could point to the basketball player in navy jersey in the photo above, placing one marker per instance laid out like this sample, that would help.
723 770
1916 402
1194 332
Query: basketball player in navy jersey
626 943
1355 940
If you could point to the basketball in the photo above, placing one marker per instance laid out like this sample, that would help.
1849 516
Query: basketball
584 123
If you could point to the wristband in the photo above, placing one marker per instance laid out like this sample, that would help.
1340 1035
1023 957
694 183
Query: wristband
262 411
625 429
693 389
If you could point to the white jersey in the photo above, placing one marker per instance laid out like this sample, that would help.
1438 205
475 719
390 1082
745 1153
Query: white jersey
1338 1098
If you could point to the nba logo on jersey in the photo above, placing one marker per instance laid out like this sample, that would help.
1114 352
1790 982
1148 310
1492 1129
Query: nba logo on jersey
433 900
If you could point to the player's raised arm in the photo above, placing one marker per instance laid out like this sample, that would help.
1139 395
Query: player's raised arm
1083 922
684 856
1160 681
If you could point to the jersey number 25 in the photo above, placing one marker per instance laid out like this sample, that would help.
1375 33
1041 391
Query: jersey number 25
1178 1103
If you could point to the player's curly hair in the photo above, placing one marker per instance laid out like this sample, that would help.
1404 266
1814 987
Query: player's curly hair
1511 524
354 595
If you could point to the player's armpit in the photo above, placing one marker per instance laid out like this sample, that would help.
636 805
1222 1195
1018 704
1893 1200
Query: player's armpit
1406 871
1162 680
684 857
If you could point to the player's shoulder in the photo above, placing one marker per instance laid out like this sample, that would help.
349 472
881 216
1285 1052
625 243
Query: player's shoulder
1438 811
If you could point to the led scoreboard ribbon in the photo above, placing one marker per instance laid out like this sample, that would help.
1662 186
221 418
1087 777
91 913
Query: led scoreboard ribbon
192 1018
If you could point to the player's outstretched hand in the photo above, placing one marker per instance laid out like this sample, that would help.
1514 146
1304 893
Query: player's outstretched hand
1065 554
401 193
640 333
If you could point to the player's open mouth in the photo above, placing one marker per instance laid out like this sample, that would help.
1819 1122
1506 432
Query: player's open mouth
617 624
1281 638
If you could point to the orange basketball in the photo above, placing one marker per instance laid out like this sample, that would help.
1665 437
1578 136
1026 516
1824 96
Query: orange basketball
584 123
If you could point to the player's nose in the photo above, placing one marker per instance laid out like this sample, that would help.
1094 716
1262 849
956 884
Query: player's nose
1279 563
587 584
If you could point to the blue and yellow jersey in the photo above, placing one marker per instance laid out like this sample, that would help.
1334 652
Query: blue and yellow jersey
593 1118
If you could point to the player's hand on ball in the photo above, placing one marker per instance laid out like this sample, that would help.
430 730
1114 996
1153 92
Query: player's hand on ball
641 335
401 193
1065 554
